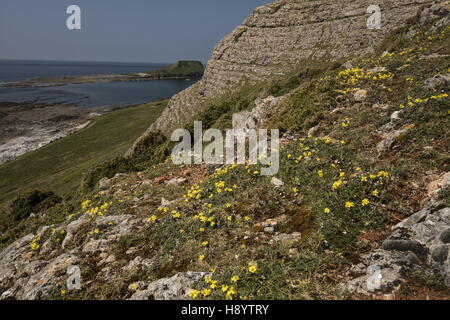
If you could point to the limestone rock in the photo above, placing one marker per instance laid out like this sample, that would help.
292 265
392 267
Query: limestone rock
437 81
420 242
174 288
386 144
277 182
360 95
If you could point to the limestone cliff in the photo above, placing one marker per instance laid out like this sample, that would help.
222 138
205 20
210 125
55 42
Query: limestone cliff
281 34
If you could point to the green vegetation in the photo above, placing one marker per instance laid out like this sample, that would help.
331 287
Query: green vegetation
24 205
337 200
59 166
180 69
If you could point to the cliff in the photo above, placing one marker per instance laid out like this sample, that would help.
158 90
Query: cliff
281 34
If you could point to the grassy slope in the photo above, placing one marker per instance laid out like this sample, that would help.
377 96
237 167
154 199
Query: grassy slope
59 165
338 193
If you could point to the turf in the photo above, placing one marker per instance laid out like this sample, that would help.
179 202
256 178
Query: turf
59 165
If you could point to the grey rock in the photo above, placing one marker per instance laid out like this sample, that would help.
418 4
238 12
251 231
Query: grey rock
386 144
440 254
104 183
437 81
277 182
360 95
420 242
404 245
445 236
174 288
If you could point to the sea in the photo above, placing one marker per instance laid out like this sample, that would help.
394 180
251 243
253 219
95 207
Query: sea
103 94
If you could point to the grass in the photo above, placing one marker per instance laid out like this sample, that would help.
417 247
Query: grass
59 166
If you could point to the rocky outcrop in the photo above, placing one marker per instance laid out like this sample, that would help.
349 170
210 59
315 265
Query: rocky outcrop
174 288
279 35
419 243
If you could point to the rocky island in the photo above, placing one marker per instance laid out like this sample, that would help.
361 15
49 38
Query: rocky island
179 70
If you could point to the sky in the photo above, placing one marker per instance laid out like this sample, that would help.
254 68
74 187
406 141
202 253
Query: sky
159 31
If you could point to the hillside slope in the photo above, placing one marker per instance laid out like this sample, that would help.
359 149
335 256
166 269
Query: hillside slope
363 184
277 36
60 165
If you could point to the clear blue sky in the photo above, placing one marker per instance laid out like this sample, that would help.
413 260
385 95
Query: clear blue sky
118 30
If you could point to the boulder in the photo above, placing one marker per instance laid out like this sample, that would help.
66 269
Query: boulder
174 288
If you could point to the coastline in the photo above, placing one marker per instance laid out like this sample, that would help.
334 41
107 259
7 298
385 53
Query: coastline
28 126
62 81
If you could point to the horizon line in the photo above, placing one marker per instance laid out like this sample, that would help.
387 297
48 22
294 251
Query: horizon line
94 61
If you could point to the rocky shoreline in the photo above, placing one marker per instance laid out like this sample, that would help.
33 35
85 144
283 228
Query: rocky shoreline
28 126
184 70
58 82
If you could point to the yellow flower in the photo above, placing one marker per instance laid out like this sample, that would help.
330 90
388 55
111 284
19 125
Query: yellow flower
201 257
63 292
234 278
337 184
383 174
295 190
327 210
230 218
205 243
365 202
247 218
375 192
134 286
252 267
349 204
201 229
206 292
224 288
320 173
194 294
230 293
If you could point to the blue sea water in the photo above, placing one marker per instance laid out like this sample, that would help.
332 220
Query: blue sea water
109 94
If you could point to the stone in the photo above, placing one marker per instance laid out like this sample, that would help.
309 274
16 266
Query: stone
360 95
139 263
277 182
418 243
176 181
438 81
104 183
287 237
404 245
435 186
438 13
73 228
445 236
248 120
440 254
269 229
174 288
386 144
